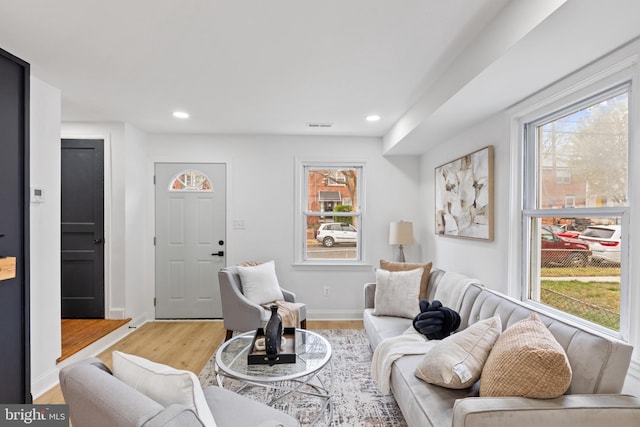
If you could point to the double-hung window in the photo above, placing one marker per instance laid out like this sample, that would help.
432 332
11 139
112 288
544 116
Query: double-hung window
576 208
330 218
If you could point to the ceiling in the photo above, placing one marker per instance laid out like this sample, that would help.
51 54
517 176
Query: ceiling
273 67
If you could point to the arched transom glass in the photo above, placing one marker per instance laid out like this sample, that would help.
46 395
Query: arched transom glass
190 180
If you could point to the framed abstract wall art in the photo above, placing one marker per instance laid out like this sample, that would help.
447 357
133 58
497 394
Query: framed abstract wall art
464 196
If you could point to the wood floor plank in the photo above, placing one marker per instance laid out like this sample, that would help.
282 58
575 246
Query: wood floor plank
79 333
182 344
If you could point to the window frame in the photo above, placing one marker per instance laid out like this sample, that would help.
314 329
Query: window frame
301 213
619 79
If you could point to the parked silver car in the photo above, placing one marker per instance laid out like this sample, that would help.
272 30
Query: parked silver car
604 242
336 232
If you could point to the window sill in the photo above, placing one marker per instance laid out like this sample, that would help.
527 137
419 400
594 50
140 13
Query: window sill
332 266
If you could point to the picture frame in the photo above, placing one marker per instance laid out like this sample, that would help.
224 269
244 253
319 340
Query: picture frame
464 196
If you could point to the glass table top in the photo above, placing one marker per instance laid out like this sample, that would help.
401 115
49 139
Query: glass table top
313 352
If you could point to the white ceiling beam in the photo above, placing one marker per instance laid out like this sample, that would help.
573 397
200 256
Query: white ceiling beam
513 23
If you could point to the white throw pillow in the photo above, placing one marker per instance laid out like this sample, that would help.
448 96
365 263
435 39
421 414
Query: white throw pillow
457 361
397 293
260 283
163 384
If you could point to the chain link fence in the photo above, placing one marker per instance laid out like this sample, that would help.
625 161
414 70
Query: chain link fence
584 309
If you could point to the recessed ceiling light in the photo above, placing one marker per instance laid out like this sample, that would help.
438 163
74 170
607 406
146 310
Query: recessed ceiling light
373 118
180 115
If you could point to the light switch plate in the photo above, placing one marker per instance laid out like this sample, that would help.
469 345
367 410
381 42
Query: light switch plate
37 195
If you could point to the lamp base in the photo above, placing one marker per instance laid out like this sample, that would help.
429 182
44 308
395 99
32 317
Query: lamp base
401 255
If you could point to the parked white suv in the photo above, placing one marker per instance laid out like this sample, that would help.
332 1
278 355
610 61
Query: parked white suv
604 242
331 233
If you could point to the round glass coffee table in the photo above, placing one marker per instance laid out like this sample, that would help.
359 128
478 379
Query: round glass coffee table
302 389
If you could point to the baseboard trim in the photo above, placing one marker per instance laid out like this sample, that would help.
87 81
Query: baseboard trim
334 314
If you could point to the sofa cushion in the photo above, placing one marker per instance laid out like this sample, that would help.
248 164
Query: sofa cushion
381 327
404 266
526 361
397 293
457 361
260 283
422 404
162 383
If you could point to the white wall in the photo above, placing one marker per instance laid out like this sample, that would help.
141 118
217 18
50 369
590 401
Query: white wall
138 207
261 192
484 260
45 234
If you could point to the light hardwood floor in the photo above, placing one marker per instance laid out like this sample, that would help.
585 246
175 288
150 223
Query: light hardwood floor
182 344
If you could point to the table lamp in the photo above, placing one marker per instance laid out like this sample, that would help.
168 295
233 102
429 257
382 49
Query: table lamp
401 233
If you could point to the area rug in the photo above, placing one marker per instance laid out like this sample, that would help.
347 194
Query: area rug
355 398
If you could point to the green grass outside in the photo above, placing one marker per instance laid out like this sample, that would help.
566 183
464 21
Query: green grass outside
580 271
598 294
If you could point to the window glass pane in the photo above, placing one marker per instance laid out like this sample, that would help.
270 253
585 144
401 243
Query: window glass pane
584 155
331 213
190 180
328 188
575 267
329 240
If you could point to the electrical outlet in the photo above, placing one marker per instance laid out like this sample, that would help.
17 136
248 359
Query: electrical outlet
325 291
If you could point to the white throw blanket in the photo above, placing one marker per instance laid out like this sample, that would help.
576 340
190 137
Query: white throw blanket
451 289
449 292
391 349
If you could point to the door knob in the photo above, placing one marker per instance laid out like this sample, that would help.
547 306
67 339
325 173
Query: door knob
97 241
219 253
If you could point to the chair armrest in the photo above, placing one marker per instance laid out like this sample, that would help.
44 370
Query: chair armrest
369 295
238 312
288 295
568 411
174 416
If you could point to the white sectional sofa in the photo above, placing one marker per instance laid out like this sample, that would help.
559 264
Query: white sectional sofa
599 364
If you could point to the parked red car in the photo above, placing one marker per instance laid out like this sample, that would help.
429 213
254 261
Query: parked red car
563 251
562 231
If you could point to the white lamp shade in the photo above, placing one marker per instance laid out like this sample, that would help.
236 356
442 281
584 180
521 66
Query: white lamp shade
400 233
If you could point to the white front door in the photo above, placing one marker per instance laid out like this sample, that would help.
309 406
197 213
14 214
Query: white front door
190 239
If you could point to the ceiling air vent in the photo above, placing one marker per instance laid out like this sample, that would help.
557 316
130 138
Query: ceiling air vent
319 125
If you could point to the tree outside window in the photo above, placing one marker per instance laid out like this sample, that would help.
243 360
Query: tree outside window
575 203
332 197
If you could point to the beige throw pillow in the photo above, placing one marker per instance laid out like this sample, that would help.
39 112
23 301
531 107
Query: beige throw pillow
457 361
526 361
397 293
404 266
163 383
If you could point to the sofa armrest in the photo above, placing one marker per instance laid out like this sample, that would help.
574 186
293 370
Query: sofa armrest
369 295
567 411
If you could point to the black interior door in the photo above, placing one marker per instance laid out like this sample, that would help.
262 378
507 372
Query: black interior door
82 216
15 381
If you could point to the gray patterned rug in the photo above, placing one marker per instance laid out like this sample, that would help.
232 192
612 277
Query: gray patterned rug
355 397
